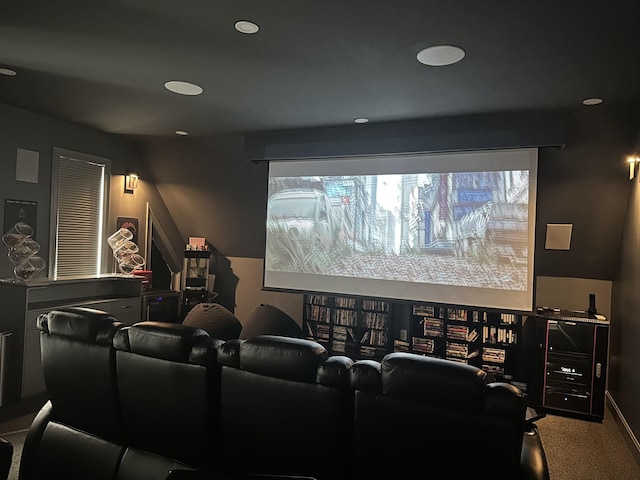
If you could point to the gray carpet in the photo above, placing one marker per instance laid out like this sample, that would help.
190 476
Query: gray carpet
16 439
582 450
575 449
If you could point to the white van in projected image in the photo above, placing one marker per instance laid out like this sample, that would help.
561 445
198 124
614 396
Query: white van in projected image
300 219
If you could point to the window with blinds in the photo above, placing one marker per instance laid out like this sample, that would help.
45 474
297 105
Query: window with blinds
78 212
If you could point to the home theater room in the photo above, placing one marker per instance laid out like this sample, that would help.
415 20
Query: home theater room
340 240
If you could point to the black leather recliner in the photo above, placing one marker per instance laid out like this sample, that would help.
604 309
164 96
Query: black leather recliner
168 385
434 415
286 408
158 401
82 415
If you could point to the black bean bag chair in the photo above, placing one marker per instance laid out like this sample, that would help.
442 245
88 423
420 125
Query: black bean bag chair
270 320
214 319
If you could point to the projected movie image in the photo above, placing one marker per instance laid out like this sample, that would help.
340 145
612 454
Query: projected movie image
467 229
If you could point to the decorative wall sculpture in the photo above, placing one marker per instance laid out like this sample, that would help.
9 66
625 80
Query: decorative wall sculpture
125 251
23 252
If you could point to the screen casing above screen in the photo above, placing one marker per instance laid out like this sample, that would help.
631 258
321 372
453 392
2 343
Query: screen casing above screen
452 228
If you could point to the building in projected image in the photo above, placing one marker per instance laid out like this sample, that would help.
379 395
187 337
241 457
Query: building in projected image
463 213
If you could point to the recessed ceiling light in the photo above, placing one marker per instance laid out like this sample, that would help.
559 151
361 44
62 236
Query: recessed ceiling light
440 55
244 26
183 88
361 120
592 101
181 132
8 72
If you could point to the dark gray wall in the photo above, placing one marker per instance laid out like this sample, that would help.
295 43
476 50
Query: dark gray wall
586 184
624 354
30 131
212 192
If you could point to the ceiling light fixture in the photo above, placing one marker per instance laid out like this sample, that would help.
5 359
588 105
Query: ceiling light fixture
592 101
183 88
244 26
8 72
361 120
440 55
181 132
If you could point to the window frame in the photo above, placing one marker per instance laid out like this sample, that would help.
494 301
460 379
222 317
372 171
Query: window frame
99 225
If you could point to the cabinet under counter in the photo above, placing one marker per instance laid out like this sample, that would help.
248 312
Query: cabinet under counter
119 295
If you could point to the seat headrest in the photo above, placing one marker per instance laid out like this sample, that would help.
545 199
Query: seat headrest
433 381
295 359
168 341
365 375
334 371
83 324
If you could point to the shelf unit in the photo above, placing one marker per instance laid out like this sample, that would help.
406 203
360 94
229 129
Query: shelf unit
482 338
358 328
427 329
194 279
462 337
500 335
367 328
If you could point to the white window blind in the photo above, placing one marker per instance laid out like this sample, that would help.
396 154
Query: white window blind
80 183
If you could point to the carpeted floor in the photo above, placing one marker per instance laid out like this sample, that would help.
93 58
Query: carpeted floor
576 449
582 450
16 440
14 431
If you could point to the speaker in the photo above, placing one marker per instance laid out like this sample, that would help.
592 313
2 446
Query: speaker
592 305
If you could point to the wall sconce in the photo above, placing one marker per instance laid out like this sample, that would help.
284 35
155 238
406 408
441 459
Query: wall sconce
130 182
633 161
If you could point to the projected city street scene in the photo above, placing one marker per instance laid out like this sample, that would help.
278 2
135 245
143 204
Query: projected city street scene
463 229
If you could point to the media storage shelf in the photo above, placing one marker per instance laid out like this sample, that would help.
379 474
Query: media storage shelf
483 338
371 328
349 326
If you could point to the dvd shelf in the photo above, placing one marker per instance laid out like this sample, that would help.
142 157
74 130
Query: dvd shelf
483 338
462 335
369 329
427 330
500 334
317 313
358 328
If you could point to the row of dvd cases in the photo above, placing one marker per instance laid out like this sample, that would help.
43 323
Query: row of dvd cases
363 328
483 338
358 328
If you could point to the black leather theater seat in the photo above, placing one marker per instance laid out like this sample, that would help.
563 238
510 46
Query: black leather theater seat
466 427
286 407
168 385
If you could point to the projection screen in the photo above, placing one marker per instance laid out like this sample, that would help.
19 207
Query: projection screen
451 228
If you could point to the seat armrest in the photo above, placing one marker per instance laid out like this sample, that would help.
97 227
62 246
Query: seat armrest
533 461
6 456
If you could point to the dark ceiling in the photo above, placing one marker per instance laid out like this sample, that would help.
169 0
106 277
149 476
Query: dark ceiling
104 63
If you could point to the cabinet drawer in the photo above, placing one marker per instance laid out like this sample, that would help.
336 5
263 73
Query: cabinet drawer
568 399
